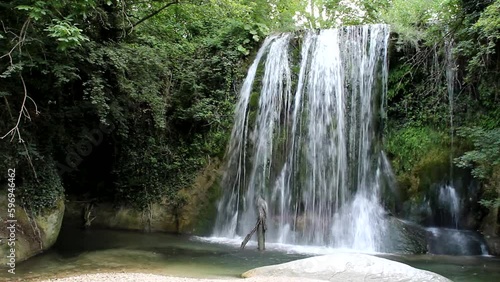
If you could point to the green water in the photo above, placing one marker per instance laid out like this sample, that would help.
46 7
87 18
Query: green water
93 251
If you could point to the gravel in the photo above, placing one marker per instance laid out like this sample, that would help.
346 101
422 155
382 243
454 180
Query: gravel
144 277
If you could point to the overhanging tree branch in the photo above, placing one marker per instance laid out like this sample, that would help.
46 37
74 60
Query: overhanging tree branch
23 112
154 13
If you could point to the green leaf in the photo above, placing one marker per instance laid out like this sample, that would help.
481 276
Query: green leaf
24 7
243 50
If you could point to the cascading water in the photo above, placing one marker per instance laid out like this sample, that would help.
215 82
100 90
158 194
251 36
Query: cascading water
449 238
309 142
448 196
450 85
450 201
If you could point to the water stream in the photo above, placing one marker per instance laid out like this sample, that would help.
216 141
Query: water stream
450 65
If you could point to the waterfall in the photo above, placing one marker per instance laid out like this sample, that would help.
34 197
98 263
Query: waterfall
450 82
449 199
307 139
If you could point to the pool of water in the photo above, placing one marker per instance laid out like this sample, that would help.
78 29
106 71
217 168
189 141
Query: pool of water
78 251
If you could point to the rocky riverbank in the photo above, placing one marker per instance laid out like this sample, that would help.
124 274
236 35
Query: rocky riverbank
335 268
143 277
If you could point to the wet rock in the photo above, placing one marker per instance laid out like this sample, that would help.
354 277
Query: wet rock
405 237
490 225
493 245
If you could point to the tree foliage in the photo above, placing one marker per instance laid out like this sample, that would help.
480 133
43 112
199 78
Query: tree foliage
162 75
485 155
444 75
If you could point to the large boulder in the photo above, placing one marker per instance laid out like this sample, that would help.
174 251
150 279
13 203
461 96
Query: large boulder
404 237
34 233
347 267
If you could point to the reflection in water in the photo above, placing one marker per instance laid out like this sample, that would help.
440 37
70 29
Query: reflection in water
93 251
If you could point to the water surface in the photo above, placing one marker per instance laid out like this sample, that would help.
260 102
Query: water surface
78 251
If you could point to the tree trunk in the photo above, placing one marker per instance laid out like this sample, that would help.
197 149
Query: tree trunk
261 236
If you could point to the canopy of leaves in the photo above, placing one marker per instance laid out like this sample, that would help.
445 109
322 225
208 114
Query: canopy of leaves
485 155
161 75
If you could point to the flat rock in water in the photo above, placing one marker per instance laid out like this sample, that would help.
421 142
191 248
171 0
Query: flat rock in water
347 267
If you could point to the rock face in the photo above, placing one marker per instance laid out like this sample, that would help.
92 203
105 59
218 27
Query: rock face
493 245
491 230
344 267
34 235
194 217
405 238
490 226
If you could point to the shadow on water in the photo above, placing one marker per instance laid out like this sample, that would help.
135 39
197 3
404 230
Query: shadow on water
79 251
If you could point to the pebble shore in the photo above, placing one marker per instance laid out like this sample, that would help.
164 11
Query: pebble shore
143 277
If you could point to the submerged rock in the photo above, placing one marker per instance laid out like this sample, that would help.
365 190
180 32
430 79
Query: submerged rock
347 267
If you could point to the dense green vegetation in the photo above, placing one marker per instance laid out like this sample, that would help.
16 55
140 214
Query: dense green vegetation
443 95
124 101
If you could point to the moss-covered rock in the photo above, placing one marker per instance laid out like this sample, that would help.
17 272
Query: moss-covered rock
417 185
34 233
254 101
490 226
199 212
422 161
106 215
194 215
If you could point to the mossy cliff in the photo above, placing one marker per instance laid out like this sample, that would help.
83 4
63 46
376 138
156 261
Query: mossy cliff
490 226
423 162
193 211
34 234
